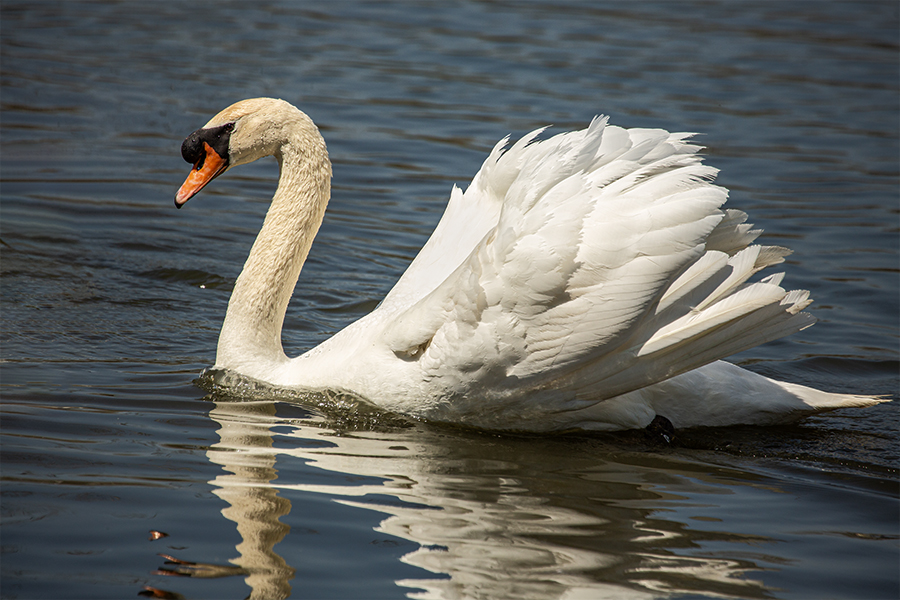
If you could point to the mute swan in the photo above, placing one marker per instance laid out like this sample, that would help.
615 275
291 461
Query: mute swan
590 280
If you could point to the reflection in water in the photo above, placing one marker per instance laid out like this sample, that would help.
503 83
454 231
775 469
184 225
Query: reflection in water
245 451
488 528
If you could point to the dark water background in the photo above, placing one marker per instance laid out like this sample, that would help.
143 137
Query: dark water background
112 300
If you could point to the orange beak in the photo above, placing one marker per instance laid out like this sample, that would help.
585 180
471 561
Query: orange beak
209 166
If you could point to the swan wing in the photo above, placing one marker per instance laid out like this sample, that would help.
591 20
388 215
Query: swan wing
467 218
610 266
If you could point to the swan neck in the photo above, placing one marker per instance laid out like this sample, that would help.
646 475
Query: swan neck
250 340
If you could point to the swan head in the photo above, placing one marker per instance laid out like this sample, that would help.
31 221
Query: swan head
242 133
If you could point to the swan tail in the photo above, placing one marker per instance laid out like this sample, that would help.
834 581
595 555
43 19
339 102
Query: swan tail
820 401
722 394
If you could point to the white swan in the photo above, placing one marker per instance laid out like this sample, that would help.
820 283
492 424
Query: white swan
590 280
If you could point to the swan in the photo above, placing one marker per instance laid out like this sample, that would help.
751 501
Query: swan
590 280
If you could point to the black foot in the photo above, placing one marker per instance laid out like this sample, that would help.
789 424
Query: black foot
661 430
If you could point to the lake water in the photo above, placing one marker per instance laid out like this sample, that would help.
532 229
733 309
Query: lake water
112 300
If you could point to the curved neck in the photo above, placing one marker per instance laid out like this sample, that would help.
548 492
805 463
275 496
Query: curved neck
250 340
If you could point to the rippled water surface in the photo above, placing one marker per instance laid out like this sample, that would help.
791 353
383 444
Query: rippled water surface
112 300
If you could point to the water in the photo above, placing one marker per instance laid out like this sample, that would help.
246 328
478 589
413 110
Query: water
112 300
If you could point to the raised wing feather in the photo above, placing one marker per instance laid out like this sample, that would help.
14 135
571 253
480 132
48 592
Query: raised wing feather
466 220
606 264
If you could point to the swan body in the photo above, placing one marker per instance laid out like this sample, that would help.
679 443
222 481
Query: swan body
590 280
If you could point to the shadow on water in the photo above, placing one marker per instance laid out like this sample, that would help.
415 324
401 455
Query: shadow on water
490 516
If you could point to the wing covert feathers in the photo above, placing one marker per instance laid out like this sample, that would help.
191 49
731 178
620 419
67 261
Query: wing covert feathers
597 261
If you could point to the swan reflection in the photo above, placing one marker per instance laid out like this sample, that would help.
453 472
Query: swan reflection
245 452
493 517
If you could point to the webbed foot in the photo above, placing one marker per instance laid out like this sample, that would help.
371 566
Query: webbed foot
661 430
